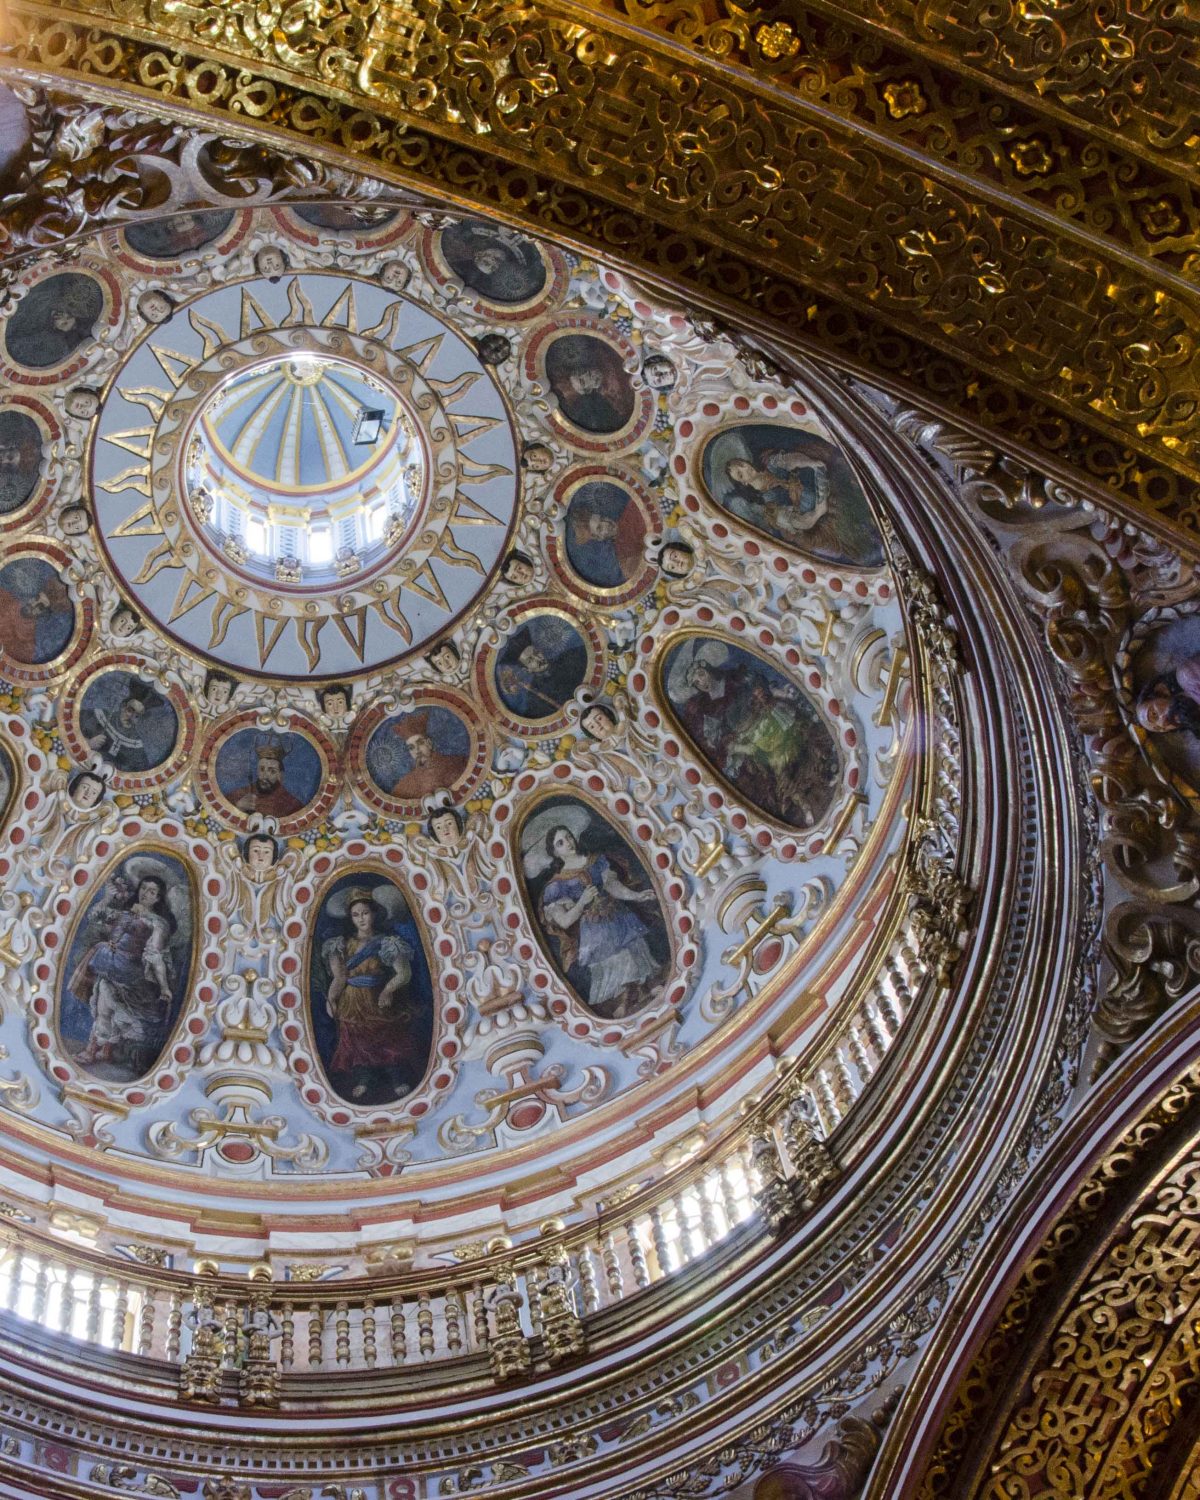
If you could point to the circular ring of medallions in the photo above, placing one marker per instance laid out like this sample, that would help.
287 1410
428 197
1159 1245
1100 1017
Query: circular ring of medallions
530 676
601 551
436 549
501 274
288 770
587 367
141 730
31 471
52 333
45 628
407 757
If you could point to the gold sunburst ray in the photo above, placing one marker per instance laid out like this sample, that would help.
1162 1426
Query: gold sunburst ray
353 627
423 352
454 390
468 512
136 477
385 329
252 309
268 633
224 614
343 313
189 595
473 472
468 426
424 581
392 615
175 366
449 551
212 334
158 558
300 309
141 522
126 440
308 633
148 396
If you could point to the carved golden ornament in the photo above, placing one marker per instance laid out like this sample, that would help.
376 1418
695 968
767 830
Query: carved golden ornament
904 99
1024 299
777 39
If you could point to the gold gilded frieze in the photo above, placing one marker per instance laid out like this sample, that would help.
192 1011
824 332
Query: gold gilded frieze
1060 339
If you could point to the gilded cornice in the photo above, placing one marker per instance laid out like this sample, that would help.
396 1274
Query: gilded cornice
901 217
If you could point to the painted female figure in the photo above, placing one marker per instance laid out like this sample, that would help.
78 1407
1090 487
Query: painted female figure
128 977
383 1028
600 926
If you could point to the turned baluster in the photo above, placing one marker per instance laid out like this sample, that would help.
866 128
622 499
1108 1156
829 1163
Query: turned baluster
174 1324
287 1336
588 1284
479 1320
342 1332
316 1335
368 1333
612 1267
66 1304
40 1287
120 1330
399 1332
425 1326
637 1256
454 1312
146 1324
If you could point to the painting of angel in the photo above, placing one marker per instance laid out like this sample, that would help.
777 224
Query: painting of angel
595 908
795 487
128 969
370 991
1165 688
754 727
53 319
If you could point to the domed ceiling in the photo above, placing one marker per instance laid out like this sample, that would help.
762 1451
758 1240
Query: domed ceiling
454 721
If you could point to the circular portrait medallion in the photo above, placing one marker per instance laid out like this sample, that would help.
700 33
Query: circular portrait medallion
508 276
586 368
287 773
118 714
175 236
43 630
355 226
23 443
548 655
54 323
607 520
435 750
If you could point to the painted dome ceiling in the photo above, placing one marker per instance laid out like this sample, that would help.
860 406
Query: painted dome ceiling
455 721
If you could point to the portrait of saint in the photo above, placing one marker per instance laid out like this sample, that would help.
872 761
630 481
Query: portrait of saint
411 755
354 218
595 908
275 775
497 263
37 618
754 727
1164 683
128 721
589 380
796 488
605 534
53 319
128 969
540 665
175 235
20 459
370 991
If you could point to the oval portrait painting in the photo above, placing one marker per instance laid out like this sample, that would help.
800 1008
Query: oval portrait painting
20 459
796 488
605 534
276 775
756 729
590 382
176 235
595 907
37 618
370 992
128 721
413 755
128 968
53 319
497 263
540 666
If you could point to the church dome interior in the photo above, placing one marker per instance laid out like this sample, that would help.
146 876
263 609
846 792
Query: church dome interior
597 893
